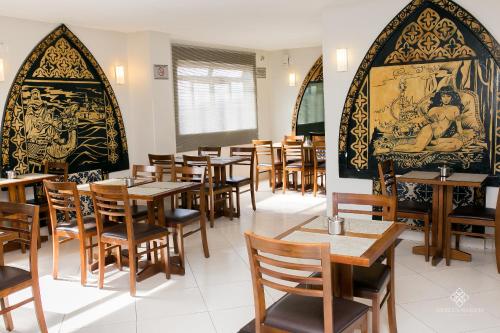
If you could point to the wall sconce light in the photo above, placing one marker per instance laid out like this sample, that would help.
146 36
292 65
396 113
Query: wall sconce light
341 60
291 79
2 71
120 74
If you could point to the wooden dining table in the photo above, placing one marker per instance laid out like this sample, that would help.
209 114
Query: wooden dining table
16 186
154 194
442 204
362 243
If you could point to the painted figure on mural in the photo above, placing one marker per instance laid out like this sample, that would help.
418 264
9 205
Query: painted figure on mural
443 129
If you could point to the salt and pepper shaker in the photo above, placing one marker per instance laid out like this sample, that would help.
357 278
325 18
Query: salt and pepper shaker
11 174
129 181
336 225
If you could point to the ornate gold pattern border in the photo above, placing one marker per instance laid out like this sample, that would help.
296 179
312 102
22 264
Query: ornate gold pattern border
314 74
16 87
454 9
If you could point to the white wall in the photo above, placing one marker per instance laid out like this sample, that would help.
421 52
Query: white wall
355 25
281 97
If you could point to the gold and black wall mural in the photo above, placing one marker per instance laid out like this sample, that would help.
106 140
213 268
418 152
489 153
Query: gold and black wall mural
61 107
425 94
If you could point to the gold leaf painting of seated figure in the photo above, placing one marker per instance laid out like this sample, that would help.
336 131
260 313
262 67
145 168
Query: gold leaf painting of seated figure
447 121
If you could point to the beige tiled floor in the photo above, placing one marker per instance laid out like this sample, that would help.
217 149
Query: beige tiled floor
215 295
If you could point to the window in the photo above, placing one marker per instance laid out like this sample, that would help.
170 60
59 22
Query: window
215 97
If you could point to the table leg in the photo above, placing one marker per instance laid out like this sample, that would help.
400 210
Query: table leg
455 254
342 276
391 288
442 197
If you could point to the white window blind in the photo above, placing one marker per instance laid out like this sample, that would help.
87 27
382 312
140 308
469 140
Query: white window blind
215 97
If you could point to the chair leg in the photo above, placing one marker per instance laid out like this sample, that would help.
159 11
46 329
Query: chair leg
204 240
238 201
90 257
252 195
176 245
119 257
7 318
212 210
315 182
376 314
55 256
457 242
272 175
83 261
497 245
426 235
447 242
165 257
285 180
303 181
102 266
37 299
180 240
257 179
231 207
364 324
132 263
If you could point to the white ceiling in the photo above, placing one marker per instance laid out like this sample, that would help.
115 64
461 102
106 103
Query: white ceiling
254 24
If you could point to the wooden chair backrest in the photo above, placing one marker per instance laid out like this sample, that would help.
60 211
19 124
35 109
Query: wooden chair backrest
319 152
388 204
112 203
264 151
243 152
209 151
63 197
153 172
23 220
292 150
299 138
200 161
277 273
387 177
56 168
166 162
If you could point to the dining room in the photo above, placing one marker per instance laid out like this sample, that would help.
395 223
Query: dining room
250 166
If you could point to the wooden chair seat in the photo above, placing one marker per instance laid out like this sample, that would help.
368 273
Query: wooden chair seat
372 278
12 276
413 207
294 313
475 213
141 231
181 216
298 165
277 164
72 225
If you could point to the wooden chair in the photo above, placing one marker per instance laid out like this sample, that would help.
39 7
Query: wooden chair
292 155
302 309
23 220
486 217
406 208
214 190
112 204
53 168
152 172
63 199
166 162
319 160
239 181
209 151
266 160
298 138
178 218
370 282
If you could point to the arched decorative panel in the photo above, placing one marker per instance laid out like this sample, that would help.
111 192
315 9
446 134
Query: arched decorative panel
61 107
315 75
425 94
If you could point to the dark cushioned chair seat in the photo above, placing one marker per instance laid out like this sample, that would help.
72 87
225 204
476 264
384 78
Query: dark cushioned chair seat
71 226
370 278
141 230
217 186
487 214
11 276
409 206
300 314
322 165
235 180
181 215
37 201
